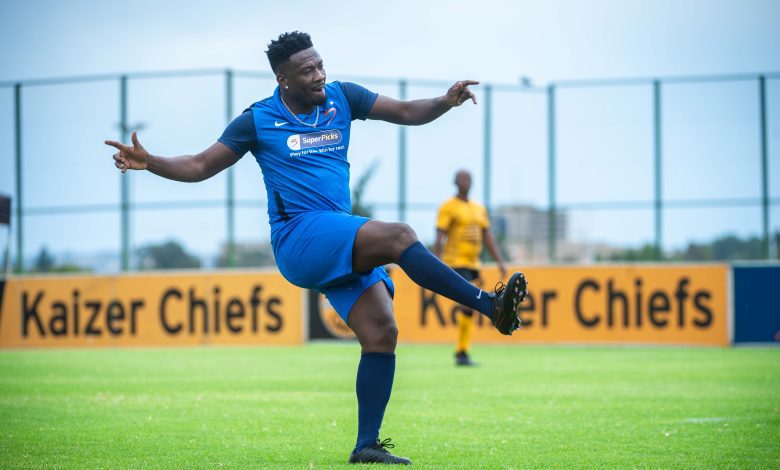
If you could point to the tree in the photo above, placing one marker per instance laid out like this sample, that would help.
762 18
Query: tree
167 255
725 248
248 256
646 252
731 247
358 206
44 261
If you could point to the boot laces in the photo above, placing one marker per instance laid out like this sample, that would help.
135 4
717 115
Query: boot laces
384 445
500 287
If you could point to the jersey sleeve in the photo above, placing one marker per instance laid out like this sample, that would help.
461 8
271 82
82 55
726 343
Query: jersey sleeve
444 220
485 222
240 135
360 99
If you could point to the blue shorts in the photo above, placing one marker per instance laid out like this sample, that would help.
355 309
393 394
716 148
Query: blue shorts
313 250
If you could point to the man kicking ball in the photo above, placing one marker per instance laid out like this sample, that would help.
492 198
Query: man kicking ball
300 138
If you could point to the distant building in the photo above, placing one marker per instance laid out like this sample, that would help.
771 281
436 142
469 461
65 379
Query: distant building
524 231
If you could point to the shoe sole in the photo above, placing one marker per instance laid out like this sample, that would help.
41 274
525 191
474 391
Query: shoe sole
378 458
517 287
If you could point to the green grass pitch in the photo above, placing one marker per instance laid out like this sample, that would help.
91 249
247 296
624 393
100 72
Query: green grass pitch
294 407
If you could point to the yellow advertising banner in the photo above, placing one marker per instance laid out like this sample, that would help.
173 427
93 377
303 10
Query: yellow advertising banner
151 310
655 304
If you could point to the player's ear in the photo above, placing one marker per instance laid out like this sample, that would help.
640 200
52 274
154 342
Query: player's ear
281 74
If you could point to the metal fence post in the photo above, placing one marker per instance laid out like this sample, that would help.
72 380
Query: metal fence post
231 192
486 147
18 183
658 197
402 159
123 179
551 212
764 166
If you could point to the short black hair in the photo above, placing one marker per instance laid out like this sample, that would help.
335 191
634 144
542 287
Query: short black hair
280 50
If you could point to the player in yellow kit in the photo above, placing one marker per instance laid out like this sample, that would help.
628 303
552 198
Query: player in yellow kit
462 228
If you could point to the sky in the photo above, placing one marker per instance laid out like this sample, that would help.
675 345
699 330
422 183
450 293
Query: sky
604 146
490 40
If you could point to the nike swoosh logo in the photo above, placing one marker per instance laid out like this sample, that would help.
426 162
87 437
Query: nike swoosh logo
480 294
279 124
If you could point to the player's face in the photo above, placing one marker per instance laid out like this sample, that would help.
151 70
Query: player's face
304 74
463 182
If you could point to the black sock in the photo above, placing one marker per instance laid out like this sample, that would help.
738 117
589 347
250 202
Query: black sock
425 269
373 385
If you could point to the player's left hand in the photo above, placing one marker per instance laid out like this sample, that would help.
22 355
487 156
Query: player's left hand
460 92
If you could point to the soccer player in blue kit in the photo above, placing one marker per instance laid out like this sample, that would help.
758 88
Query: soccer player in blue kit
300 137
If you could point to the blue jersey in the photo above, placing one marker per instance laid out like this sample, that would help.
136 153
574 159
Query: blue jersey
305 168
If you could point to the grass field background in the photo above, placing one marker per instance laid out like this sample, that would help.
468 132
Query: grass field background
295 407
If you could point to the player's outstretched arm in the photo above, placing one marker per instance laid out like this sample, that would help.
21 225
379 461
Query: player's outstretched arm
416 112
187 168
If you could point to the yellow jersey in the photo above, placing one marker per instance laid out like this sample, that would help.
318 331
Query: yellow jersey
463 222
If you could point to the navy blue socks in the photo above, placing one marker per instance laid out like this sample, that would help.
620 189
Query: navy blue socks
425 269
376 370
374 383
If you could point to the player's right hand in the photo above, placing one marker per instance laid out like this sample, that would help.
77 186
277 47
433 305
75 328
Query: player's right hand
129 157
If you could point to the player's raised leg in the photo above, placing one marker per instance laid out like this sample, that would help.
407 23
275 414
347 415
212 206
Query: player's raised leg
372 321
378 243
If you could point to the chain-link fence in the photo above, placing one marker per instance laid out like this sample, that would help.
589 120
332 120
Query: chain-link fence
571 171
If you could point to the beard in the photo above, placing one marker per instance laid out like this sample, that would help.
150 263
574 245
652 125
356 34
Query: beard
319 100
